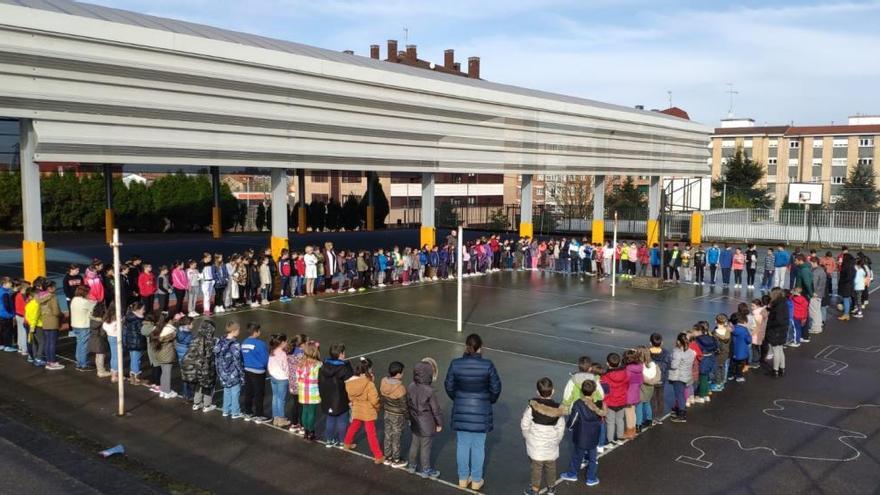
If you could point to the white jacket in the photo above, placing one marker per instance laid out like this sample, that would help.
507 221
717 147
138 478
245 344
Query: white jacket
542 441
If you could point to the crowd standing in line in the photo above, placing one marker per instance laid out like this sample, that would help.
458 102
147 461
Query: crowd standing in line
603 403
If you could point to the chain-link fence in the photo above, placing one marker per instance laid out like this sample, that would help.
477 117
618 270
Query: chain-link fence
823 227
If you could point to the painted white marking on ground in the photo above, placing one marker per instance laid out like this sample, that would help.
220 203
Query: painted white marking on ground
836 366
391 348
701 462
536 313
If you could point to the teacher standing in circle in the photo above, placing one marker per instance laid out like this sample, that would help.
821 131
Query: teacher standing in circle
473 385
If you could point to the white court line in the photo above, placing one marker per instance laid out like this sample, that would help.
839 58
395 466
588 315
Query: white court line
506 329
398 332
835 366
389 348
874 290
377 290
588 301
699 461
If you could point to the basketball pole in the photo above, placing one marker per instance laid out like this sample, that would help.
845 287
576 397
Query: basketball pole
458 258
613 260
117 298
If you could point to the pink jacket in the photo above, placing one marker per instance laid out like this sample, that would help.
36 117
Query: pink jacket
96 286
760 321
636 378
179 280
739 261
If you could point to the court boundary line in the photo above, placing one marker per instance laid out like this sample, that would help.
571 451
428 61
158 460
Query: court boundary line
390 348
536 313
408 334
484 325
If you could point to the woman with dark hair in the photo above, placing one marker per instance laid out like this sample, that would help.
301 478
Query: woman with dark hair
777 329
473 385
845 284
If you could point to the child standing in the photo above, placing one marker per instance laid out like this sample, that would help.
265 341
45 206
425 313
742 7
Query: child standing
294 361
194 278
162 341
741 343
364 408
163 288
572 392
708 364
311 266
265 281
681 375
634 378
652 377
722 335
426 419
800 309
255 354
335 402
543 429
279 378
584 422
393 394
307 388
182 341
197 367
663 359
615 399
230 370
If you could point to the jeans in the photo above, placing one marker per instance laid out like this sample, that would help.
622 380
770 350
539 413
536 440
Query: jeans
285 286
279 396
712 271
738 277
767 280
336 427
231 403
680 401
470 453
51 345
643 413
750 277
420 447
725 276
82 347
22 334
135 365
592 457
658 401
113 357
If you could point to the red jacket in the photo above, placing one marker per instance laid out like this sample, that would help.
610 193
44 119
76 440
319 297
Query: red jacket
801 307
618 383
19 304
300 265
695 369
146 284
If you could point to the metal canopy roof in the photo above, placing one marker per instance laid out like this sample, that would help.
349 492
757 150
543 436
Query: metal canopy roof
112 86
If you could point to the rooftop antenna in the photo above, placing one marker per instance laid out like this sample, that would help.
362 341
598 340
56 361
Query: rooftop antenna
730 91
405 34
669 94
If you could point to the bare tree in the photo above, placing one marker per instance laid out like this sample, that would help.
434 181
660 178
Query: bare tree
571 193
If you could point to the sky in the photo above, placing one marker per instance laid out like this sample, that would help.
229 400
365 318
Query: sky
788 61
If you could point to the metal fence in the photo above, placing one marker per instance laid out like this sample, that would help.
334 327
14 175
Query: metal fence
824 227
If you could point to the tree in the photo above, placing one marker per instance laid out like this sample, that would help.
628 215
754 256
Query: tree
381 208
260 220
317 215
498 220
626 196
859 191
10 206
446 216
351 216
741 176
334 215
573 194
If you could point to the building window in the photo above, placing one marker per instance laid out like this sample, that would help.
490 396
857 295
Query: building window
815 179
793 162
794 144
773 143
771 170
817 142
866 161
772 161
838 162
471 200
349 176
728 143
866 142
320 197
817 162
840 142
319 175
747 143
838 180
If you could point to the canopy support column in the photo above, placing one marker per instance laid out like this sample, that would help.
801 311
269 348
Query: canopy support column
33 249
279 211
598 209
428 231
526 228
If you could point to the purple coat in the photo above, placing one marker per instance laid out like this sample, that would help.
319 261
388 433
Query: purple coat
634 374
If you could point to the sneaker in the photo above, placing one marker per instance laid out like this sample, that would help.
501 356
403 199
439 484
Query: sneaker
170 395
155 389
679 419
795 344
411 469
805 340
399 464
352 289
593 482
196 407
237 416
260 419
530 491
568 476
600 449
858 315
430 473
54 366
255 304
266 303
387 462
79 368
740 379
10 349
247 417
193 314
210 408
331 443
225 414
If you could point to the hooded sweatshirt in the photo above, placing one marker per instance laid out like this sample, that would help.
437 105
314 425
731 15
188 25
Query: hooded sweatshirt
393 394
618 383
572 391
421 401
197 365
543 429
331 385
364 398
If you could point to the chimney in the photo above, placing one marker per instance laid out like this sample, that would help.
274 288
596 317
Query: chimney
350 52
374 52
411 53
392 50
640 107
449 59
457 67
474 67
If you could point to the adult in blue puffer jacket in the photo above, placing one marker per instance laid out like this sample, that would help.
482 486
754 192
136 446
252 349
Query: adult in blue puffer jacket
473 385
725 259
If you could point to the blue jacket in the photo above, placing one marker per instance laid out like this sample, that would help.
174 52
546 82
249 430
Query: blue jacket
256 354
712 255
181 342
434 258
655 256
782 258
227 358
726 258
473 385
708 346
443 257
584 425
423 258
7 305
741 342
381 262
